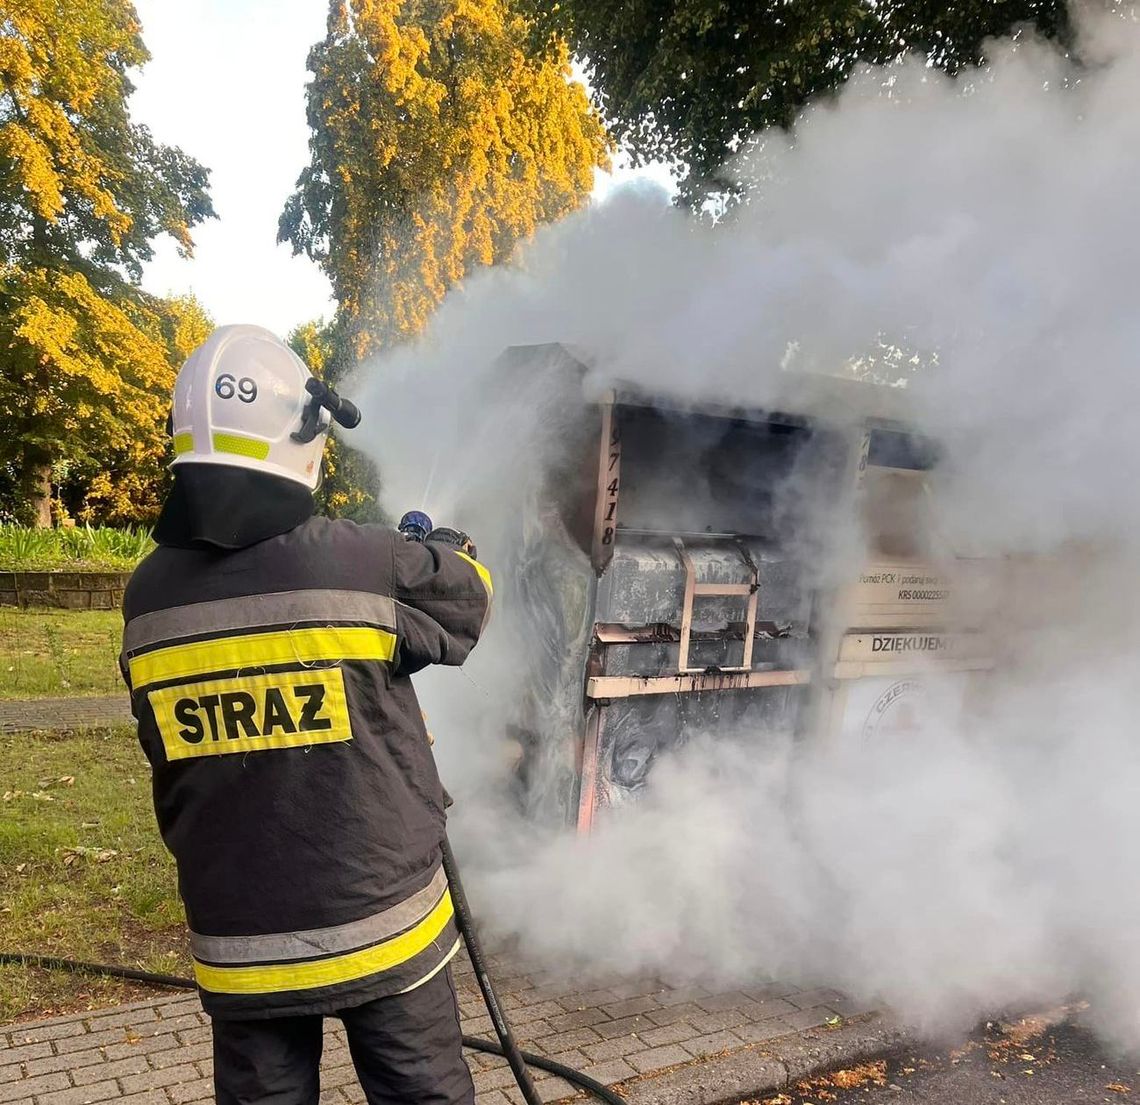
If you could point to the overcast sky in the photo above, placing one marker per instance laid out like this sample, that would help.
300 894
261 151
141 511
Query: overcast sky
227 83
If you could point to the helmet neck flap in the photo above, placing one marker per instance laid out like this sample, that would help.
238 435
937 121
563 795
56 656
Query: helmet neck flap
229 508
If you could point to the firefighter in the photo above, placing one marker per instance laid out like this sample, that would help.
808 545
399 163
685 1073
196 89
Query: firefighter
268 654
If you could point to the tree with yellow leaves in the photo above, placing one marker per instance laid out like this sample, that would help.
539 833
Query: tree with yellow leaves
86 358
441 137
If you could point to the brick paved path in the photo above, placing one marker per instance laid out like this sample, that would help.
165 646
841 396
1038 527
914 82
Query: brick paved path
158 1052
19 715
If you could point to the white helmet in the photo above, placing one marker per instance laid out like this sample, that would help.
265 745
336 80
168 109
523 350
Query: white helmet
238 400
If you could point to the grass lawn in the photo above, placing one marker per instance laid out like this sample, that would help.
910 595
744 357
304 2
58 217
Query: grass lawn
46 653
83 873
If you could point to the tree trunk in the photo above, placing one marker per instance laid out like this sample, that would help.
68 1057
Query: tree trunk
37 485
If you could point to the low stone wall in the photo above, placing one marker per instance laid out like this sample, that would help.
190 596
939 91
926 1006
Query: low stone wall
67 590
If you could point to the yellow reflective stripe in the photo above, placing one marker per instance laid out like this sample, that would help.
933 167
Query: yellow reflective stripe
484 575
259 650
242 446
183 443
328 972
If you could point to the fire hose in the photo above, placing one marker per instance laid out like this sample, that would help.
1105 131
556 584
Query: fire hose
506 1048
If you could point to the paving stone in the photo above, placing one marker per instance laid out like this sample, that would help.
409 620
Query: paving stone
609 1029
541 1011
156 1079
843 1007
90 1040
808 999
770 990
658 1058
25 1052
617 1048
38 1033
673 1013
583 1018
533 1030
555 1089
763 1030
667 1034
185 1023
180 1054
587 999
180 1008
716 1022
11 1072
808 1018
134 1016
148 1045
136 1064
70 1061
338 1076
197 1035
616 1070
186 1092
149 1097
631 1007
712 1044
565 1041
638 988
774 1007
719 1003
681 995
81 1095
492 1097
27 1087
493 1079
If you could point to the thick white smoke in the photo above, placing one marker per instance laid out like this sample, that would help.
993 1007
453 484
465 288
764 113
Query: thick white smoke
989 228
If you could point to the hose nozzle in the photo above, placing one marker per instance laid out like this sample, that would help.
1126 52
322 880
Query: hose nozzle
343 412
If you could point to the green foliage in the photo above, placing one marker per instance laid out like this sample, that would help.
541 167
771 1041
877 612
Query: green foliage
687 81
87 359
24 548
81 185
440 137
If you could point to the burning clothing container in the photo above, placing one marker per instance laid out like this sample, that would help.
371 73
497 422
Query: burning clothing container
683 567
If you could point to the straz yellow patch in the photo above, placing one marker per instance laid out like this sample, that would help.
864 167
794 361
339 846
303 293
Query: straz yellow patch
252 713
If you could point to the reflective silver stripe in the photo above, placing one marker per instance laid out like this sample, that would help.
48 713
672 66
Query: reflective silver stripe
283 947
253 611
435 970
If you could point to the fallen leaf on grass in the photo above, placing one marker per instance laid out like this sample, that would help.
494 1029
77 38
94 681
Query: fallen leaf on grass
97 855
66 781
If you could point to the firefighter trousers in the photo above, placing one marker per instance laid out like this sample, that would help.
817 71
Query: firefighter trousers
406 1048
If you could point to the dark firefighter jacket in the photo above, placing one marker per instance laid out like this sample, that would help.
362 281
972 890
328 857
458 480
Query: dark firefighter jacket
293 778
